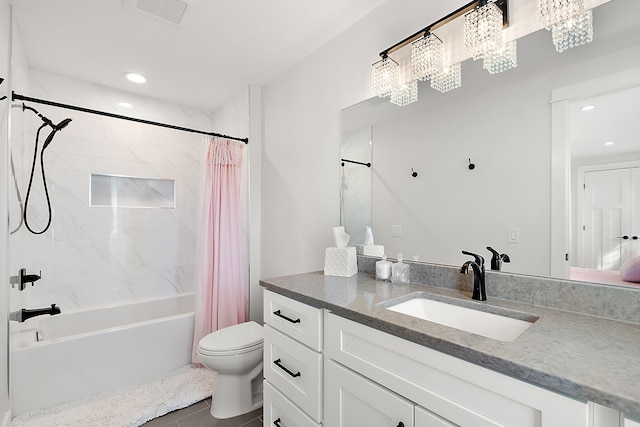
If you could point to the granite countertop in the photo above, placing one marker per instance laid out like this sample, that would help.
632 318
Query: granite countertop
586 357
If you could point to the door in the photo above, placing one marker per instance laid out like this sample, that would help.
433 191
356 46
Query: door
635 213
353 400
606 218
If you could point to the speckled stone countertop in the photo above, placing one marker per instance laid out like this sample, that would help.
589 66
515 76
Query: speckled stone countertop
586 357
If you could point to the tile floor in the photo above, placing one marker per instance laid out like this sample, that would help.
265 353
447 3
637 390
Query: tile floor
197 415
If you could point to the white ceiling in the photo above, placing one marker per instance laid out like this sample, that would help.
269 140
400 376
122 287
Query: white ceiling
220 47
614 118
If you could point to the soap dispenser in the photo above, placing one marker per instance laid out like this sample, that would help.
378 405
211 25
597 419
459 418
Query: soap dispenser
383 269
400 271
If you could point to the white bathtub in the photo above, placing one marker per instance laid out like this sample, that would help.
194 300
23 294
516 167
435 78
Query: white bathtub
88 352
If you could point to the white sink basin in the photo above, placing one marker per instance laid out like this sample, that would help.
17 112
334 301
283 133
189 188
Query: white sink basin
490 325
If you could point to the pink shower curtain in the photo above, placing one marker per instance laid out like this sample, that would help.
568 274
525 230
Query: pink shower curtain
221 265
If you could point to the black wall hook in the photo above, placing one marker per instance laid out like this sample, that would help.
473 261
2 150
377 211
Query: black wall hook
471 165
414 173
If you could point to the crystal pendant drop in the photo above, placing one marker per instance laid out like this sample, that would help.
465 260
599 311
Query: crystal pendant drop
426 56
384 77
448 78
405 94
552 12
575 31
483 30
501 59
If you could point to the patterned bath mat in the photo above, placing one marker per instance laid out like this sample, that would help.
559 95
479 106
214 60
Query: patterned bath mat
129 406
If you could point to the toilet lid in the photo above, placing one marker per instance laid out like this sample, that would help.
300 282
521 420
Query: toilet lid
232 338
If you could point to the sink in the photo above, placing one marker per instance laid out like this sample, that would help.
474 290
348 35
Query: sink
502 324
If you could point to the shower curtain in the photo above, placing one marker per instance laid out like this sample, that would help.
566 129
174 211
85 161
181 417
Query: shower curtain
222 255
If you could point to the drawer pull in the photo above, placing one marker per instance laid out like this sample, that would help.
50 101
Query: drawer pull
284 368
400 424
279 314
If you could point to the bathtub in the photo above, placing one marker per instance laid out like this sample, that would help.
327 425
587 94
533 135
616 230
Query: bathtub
74 355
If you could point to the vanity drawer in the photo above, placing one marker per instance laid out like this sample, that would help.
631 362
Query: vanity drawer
295 370
293 318
278 407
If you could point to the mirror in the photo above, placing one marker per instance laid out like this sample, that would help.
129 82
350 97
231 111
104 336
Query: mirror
501 123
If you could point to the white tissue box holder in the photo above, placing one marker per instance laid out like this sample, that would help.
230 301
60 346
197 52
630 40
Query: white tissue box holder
370 250
340 262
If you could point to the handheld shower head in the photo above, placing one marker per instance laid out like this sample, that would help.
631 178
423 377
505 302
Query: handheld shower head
63 124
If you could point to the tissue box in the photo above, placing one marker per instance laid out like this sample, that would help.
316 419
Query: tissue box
340 262
370 250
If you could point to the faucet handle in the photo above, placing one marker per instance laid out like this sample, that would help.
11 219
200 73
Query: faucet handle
478 259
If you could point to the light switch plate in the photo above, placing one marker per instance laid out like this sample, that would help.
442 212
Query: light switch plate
513 235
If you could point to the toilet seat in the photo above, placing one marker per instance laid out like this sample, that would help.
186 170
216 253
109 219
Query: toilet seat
236 339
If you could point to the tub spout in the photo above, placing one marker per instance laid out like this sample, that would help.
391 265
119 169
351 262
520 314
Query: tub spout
24 314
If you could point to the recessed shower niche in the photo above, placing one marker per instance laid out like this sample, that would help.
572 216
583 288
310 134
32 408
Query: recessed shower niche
132 192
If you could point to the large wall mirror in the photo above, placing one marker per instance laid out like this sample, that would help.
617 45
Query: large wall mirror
531 146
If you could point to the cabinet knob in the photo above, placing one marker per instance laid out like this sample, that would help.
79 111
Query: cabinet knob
635 237
277 423
400 424
623 237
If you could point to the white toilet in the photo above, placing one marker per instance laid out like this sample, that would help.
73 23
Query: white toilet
234 353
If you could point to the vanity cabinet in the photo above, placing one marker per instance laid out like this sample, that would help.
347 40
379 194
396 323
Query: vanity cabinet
321 369
293 362
433 388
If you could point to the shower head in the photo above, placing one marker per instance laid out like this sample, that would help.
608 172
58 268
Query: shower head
63 124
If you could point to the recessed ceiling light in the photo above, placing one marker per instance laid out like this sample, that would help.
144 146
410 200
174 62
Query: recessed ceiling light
587 108
608 143
136 78
124 105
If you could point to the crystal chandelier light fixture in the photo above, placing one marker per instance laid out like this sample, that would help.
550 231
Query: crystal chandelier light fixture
575 31
501 59
448 78
483 29
384 77
426 56
405 94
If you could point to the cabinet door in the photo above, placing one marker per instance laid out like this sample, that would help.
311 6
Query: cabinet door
352 400
280 412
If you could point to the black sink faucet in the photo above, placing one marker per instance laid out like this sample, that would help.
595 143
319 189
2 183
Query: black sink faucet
24 314
479 291
497 259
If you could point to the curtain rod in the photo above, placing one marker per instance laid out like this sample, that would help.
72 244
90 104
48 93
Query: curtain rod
17 97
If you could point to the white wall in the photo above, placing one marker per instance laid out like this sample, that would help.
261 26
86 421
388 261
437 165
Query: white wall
300 163
301 131
5 43
96 256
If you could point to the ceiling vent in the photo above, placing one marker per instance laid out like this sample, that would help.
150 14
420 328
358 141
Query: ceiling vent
173 11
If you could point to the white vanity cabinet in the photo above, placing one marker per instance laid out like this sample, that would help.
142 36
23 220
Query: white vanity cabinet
293 363
435 389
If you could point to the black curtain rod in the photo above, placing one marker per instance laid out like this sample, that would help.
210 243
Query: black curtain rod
17 97
357 163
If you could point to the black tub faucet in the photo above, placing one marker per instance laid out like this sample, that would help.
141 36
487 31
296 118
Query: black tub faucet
497 259
479 291
26 313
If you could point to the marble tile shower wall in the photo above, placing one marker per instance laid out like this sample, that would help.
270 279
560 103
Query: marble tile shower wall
93 256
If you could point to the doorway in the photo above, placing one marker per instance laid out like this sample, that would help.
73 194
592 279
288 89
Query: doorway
608 225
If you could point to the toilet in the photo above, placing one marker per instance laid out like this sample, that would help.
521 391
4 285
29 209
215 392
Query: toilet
234 354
